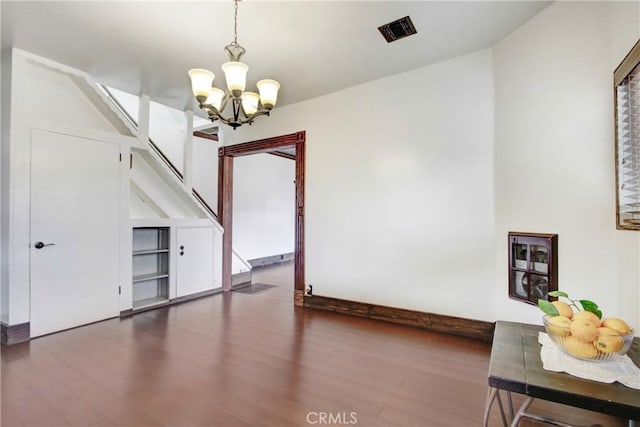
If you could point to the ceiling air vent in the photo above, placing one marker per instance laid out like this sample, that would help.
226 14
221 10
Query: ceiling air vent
397 29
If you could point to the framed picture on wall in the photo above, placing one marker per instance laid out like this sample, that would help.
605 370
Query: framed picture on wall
533 266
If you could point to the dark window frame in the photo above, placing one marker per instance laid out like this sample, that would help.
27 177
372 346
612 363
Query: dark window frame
627 141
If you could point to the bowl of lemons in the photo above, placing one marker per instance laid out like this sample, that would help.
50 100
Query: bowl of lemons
580 331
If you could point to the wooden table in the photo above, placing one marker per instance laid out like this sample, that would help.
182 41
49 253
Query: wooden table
516 366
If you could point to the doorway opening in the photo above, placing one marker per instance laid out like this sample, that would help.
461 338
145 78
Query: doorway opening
225 200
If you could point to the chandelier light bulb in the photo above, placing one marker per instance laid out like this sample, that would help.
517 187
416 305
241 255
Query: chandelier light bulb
268 92
215 98
201 82
236 75
250 102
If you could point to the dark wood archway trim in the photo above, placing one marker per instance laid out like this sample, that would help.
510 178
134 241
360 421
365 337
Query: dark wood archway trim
283 155
204 135
263 145
225 200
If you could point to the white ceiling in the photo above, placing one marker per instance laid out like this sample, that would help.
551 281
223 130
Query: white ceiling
311 47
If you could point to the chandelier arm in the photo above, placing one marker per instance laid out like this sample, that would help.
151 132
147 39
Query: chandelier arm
237 105
214 114
236 120
225 121
249 119
225 99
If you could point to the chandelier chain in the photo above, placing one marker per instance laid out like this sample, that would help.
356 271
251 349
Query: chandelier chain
235 23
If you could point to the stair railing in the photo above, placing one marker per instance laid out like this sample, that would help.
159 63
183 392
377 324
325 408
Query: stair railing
158 151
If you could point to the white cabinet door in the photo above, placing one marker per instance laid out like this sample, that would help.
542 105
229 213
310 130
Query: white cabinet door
75 213
195 260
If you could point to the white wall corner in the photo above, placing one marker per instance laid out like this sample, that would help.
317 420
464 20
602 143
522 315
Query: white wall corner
16 192
3 107
5 158
126 233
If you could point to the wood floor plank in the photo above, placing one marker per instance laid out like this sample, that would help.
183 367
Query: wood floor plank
26 404
402 417
118 411
10 417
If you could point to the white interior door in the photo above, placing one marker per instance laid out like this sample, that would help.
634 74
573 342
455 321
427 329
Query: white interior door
75 214
195 260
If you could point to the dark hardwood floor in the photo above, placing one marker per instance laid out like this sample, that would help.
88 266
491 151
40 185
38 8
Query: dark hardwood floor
243 359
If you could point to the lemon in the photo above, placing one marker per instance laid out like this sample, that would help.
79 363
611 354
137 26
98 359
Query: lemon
608 340
558 326
563 308
584 330
617 324
587 315
579 348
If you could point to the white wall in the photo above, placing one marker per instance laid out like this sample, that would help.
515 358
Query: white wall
5 119
4 132
554 150
167 130
151 185
129 103
263 205
205 170
401 172
399 187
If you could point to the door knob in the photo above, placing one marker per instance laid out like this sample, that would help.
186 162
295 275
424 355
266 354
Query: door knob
40 245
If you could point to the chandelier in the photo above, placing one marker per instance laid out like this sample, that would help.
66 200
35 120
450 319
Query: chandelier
246 106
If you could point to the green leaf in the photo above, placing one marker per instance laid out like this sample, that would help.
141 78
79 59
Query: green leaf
591 306
547 307
588 305
558 294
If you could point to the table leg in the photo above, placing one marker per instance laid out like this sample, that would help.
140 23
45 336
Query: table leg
504 420
522 413
492 395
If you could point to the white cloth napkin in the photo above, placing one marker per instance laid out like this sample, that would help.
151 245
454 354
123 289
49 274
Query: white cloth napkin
622 370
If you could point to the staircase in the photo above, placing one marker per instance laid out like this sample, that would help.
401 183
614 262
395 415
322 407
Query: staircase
154 175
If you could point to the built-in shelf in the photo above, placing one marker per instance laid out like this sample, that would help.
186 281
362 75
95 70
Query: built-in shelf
151 276
150 266
149 302
152 251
